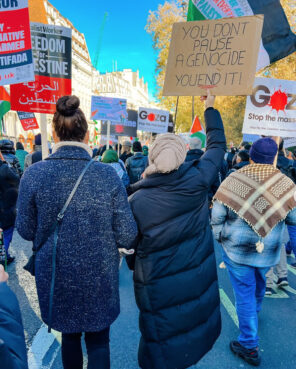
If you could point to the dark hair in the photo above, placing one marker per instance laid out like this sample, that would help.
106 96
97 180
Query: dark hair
69 121
281 145
116 147
244 143
244 155
19 146
247 147
137 147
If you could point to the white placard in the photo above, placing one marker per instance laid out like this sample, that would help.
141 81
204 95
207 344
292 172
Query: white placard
271 109
153 120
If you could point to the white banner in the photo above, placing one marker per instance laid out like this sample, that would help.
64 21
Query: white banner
271 109
153 120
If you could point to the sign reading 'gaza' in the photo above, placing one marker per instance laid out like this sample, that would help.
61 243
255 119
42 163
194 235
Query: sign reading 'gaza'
271 108
153 120
52 53
218 54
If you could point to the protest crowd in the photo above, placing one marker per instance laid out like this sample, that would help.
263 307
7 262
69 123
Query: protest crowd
162 212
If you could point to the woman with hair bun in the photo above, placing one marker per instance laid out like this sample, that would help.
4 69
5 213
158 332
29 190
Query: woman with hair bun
77 263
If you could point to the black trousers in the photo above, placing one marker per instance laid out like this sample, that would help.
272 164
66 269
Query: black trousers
98 350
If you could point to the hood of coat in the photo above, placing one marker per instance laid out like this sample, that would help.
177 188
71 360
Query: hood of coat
6 147
164 179
71 150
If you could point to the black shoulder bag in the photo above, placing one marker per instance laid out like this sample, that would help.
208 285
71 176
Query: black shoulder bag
30 266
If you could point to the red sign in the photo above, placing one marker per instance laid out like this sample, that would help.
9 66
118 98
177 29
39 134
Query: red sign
16 60
52 51
28 120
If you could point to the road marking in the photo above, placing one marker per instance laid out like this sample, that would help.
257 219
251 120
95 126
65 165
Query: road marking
292 270
228 306
41 345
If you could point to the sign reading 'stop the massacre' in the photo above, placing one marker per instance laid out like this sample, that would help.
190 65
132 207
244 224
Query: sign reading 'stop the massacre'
16 60
218 54
52 51
271 108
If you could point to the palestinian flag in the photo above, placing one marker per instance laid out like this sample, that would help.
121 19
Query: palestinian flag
4 102
198 131
278 41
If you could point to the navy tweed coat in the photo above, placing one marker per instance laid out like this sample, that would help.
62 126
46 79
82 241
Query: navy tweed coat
97 222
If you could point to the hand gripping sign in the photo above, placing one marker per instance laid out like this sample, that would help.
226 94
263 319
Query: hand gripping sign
271 108
52 51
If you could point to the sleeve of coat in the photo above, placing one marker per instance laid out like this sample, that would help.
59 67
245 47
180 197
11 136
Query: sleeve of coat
13 354
211 162
124 224
26 220
219 215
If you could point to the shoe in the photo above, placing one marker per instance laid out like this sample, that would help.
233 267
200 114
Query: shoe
293 265
251 356
282 282
10 260
268 291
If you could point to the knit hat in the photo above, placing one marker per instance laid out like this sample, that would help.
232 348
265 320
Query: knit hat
38 139
127 144
264 151
167 154
110 156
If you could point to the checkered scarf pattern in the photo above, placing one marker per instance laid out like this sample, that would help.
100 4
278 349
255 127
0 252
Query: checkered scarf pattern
259 194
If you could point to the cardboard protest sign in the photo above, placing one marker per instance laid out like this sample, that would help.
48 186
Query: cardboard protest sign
28 120
218 54
127 128
16 60
108 108
52 51
153 120
271 108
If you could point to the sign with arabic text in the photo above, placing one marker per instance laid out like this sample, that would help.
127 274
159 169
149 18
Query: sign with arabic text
52 51
16 60
28 120
271 108
108 108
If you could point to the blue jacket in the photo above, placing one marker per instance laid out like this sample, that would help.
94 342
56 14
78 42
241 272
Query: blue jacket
13 353
239 240
97 222
175 277
135 166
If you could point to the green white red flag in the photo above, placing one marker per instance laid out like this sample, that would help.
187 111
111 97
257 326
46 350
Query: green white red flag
198 131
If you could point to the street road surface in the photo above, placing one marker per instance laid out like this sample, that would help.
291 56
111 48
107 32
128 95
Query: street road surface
277 323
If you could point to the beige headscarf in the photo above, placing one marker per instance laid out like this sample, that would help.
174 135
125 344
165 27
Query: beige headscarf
167 154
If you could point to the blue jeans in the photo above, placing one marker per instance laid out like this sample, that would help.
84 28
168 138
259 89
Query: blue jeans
249 284
7 235
291 245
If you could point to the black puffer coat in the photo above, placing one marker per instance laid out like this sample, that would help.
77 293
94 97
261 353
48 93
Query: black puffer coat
8 152
175 275
9 183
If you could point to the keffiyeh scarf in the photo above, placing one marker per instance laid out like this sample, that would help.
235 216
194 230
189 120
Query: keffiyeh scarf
259 194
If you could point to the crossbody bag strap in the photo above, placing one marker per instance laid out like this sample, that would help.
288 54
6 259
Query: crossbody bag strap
56 234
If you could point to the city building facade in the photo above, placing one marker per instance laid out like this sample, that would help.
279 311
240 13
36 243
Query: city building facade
86 80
